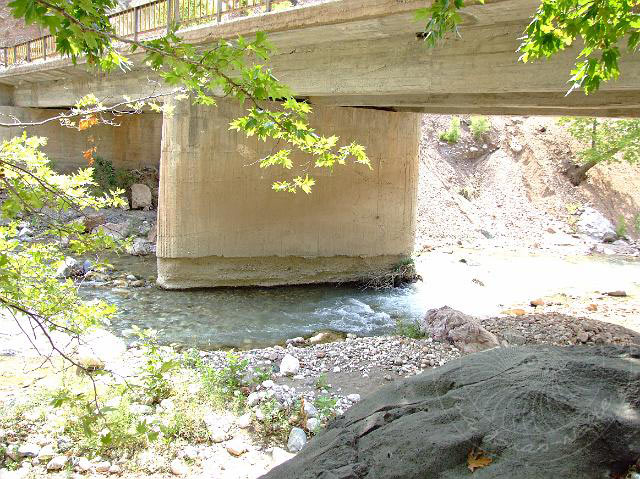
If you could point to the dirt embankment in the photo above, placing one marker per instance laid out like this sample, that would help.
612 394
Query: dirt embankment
508 188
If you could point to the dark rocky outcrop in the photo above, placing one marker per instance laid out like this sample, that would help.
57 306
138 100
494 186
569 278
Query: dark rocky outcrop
539 412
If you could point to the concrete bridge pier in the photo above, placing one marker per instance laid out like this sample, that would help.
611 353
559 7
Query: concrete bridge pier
220 224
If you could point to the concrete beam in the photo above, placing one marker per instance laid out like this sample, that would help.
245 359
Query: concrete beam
221 224
365 53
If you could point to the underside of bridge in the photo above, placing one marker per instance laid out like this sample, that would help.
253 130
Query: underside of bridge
220 224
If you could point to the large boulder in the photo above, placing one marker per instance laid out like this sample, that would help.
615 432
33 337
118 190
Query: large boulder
536 412
459 329
594 224
141 198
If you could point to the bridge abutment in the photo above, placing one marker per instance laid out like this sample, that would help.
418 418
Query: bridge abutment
221 224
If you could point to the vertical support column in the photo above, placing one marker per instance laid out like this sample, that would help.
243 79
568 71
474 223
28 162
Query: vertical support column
176 12
44 48
218 10
6 57
221 224
268 5
28 52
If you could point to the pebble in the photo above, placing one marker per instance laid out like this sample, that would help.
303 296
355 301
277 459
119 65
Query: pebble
115 469
236 447
46 452
244 421
103 466
28 450
297 440
313 424
289 365
179 468
353 397
84 464
57 463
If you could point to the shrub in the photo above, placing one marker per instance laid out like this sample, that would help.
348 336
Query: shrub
110 178
480 126
409 329
452 135
621 227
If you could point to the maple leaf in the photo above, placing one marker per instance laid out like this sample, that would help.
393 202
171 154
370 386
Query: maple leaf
88 155
477 459
87 122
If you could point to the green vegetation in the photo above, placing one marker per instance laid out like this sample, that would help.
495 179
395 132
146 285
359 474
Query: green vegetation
608 141
322 382
452 135
409 329
621 227
480 126
636 223
109 178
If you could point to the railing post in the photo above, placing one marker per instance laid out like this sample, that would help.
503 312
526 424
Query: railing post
6 56
44 48
268 5
169 12
15 54
218 10
28 51
136 22
176 11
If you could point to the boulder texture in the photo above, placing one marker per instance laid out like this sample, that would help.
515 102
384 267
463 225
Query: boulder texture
141 198
459 329
537 412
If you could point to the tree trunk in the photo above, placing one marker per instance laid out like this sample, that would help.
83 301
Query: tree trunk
578 173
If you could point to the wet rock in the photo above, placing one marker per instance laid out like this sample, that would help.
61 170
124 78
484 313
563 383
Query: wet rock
141 198
594 224
57 463
289 365
425 426
455 327
297 440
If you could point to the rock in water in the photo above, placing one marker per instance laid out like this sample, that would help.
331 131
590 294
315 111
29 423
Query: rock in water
462 330
538 412
140 197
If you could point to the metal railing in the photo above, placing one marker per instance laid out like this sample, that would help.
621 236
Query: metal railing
146 20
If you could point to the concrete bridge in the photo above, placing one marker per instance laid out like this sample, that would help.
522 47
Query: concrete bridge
219 222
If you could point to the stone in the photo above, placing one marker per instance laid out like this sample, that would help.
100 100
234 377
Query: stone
115 469
167 405
153 234
244 421
103 466
84 464
594 224
190 452
141 198
253 399
425 426
297 440
46 452
25 233
140 247
309 409
12 452
617 294
289 365
141 409
117 231
28 450
92 221
537 302
313 424
57 463
179 468
353 397
69 268
459 329
236 447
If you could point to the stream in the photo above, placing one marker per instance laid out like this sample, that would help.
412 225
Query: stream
481 283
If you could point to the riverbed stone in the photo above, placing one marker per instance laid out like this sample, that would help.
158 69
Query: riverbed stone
289 365
179 468
529 408
594 224
297 440
141 198
28 450
57 463
459 329
236 447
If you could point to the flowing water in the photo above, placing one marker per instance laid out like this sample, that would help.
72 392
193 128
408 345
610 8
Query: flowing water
482 284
